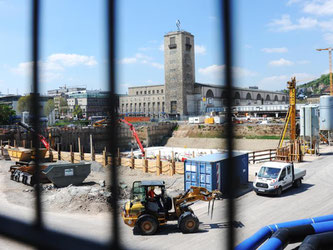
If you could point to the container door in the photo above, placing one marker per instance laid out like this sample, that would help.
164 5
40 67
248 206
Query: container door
191 174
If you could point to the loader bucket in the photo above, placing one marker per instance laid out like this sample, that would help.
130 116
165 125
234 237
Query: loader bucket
63 175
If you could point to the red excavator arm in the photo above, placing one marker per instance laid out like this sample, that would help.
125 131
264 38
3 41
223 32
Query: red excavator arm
41 137
135 135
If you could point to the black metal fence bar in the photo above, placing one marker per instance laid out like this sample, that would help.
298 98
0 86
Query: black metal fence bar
35 105
112 131
229 175
41 237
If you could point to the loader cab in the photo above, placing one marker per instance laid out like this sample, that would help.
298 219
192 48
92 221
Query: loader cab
140 192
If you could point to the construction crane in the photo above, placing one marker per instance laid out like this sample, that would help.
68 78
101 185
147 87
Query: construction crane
135 135
41 137
291 114
330 60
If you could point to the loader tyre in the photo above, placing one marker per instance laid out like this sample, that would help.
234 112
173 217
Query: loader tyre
147 224
189 224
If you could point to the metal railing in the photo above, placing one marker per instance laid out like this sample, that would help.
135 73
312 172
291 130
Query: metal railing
36 234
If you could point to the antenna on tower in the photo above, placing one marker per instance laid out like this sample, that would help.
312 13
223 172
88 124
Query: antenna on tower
178 24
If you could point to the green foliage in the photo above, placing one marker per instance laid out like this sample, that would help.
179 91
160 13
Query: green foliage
24 104
77 112
63 107
5 113
49 106
315 84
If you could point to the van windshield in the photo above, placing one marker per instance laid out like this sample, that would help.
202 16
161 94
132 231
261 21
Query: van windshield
267 172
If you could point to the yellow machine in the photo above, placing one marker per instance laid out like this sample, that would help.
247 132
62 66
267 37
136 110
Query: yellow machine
146 214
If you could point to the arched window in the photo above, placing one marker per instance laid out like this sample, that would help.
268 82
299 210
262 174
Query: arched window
237 95
224 95
209 94
258 97
276 98
248 96
283 98
268 98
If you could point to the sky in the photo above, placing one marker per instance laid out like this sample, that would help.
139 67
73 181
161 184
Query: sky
273 41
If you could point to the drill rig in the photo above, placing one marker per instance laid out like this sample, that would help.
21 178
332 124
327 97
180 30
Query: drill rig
146 215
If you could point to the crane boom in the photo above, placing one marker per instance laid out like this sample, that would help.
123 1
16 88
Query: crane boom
41 137
135 135
330 62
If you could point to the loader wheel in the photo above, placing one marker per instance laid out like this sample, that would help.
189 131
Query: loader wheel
298 183
189 224
147 224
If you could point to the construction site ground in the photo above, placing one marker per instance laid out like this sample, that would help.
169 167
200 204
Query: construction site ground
82 210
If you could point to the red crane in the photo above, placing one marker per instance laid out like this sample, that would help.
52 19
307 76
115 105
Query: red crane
135 135
41 137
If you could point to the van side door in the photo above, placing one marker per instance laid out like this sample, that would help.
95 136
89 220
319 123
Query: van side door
289 176
282 178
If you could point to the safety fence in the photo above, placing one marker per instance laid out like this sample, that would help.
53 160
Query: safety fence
262 155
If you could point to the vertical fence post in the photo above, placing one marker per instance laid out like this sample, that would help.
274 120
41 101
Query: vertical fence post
132 158
105 159
79 146
9 143
173 164
1 147
92 148
81 153
71 153
59 152
270 154
158 164
118 157
31 144
145 163
253 157
23 144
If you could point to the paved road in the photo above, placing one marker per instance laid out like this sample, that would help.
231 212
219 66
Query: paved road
253 212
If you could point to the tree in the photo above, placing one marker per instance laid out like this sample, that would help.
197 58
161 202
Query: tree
49 106
24 103
63 107
5 114
77 111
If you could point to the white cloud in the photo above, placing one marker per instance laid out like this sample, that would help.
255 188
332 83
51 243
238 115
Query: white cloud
54 65
319 7
279 82
285 24
248 46
70 60
219 69
281 62
161 47
200 50
128 60
275 50
143 59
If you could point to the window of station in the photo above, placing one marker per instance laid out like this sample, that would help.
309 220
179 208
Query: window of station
161 91
140 92
153 91
172 44
137 92
148 92
157 91
145 92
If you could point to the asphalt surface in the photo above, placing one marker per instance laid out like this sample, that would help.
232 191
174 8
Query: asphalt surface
253 212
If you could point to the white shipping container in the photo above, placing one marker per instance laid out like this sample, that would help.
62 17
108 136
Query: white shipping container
218 119
191 120
199 119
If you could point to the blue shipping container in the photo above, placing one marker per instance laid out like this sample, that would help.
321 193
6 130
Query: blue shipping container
207 171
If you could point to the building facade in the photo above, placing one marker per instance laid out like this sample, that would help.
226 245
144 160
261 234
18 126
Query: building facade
91 102
181 95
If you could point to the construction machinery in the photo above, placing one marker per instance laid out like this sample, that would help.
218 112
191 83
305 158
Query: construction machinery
330 62
105 122
146 214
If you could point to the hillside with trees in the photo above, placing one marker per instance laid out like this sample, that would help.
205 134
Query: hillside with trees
315 87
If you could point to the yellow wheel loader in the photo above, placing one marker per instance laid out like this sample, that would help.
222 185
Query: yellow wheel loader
146 213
